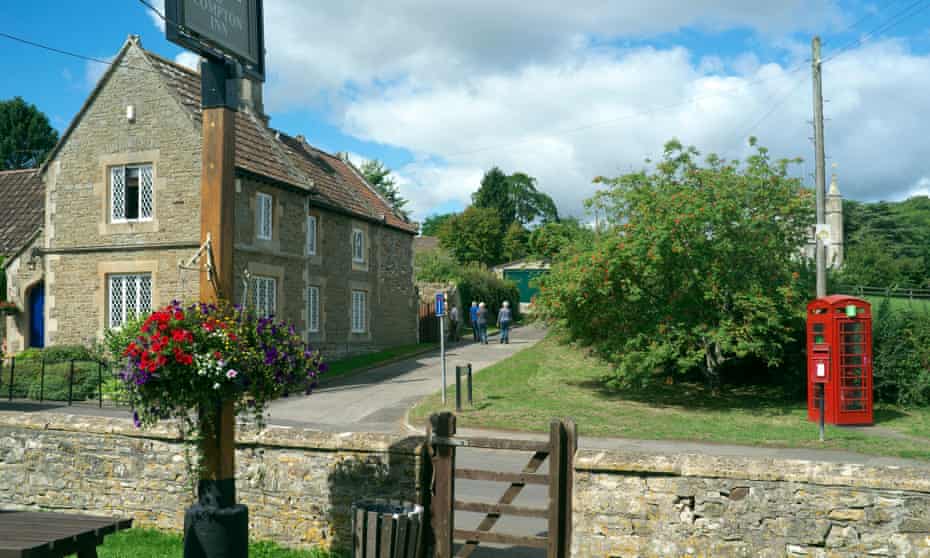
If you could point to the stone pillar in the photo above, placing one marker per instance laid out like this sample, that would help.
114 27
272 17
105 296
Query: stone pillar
834 218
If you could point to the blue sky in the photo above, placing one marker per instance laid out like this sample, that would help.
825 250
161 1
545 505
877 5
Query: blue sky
441 91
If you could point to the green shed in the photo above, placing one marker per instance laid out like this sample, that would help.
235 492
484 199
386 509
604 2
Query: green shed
523 273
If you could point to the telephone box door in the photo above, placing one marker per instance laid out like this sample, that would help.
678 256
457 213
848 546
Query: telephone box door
853 390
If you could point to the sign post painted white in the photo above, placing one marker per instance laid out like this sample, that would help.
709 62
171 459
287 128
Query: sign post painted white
440 313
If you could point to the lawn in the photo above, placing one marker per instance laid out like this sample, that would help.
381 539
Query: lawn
147 543
349 365
552 379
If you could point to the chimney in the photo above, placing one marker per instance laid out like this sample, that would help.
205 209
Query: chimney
250 97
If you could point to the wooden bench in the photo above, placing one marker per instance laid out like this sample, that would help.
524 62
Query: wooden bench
53 535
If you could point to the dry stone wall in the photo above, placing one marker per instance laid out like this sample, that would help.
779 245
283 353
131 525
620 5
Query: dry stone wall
299 484
629 504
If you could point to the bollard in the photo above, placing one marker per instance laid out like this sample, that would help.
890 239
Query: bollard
71 384
12 371
458 388
42 381
470 400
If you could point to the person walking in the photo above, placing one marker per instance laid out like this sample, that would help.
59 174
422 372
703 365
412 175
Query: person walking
504 318
483 323
473 315
453 323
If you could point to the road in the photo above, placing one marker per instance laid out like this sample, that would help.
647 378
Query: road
377 400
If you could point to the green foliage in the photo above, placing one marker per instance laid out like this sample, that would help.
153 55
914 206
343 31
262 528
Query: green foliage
379 176
515 198
552 239
436 266
149 543
515 242
887 243
2 281
699 267
26 137
432 224
475 235
901 355
481 285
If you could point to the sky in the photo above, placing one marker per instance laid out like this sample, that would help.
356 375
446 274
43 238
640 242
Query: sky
443 90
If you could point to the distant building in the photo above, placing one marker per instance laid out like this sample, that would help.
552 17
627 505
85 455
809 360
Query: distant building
833 205
523 273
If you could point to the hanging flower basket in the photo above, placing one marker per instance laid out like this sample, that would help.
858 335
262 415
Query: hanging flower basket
7 307
187 361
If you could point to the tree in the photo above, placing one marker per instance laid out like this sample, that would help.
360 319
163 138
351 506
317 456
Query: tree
26 137
433 223
379 176
475 235
515 198
515 242
550 240
699 268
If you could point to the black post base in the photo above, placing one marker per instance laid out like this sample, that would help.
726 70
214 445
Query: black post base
214 527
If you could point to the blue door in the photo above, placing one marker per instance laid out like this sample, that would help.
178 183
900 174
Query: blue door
37 316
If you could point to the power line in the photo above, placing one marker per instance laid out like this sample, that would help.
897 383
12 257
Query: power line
70 53
910 10
154 9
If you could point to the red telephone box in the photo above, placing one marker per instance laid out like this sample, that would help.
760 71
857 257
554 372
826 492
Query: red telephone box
839 356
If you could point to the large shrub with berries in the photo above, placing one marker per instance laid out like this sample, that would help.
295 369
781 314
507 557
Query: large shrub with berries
699 264
186 360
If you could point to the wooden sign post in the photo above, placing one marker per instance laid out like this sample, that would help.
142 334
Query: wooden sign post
231 46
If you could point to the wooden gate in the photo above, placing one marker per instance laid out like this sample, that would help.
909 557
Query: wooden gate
428 323
559 451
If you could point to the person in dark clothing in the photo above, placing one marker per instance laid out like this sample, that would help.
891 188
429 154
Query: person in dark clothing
504 318
473 316
483 323
453 323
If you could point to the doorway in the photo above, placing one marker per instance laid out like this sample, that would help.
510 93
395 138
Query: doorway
36 302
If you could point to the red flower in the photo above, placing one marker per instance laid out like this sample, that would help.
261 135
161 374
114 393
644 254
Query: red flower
179 315
217 355
162 326
233 337
180 335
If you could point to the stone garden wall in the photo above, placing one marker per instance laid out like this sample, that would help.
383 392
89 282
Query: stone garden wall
628 504
299 484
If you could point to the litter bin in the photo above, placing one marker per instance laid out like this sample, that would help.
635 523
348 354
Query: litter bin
386 529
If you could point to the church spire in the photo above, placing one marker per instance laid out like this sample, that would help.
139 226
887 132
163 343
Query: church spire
834 189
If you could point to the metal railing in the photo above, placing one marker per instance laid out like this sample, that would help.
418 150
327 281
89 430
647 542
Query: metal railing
890 292
71 381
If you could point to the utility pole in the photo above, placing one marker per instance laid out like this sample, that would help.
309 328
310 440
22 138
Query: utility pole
820 178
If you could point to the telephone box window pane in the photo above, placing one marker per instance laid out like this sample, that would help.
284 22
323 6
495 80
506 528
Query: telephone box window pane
818 339
818 328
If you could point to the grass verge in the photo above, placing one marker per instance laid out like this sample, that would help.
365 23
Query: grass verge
347 366
148 543
552 379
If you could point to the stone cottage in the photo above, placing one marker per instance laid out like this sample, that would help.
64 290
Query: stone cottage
314 243
22 203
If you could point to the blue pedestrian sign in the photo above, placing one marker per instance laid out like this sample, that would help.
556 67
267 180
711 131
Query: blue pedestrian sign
440 304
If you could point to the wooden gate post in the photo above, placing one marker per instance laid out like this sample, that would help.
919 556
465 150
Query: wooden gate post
571 446
556 481
443 458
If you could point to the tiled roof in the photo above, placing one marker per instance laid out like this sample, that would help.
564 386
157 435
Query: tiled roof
22 208
289 159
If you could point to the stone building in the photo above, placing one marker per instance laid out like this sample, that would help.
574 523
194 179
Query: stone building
314 243
833 215
22 203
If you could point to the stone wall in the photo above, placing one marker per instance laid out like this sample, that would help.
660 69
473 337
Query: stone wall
298 484
630 504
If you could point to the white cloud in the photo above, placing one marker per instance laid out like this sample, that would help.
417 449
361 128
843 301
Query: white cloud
188 59
556 92
156 19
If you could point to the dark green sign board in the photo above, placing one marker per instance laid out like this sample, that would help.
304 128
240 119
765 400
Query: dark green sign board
219 28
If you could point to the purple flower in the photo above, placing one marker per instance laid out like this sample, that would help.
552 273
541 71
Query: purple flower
135 419
323 367
271 354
